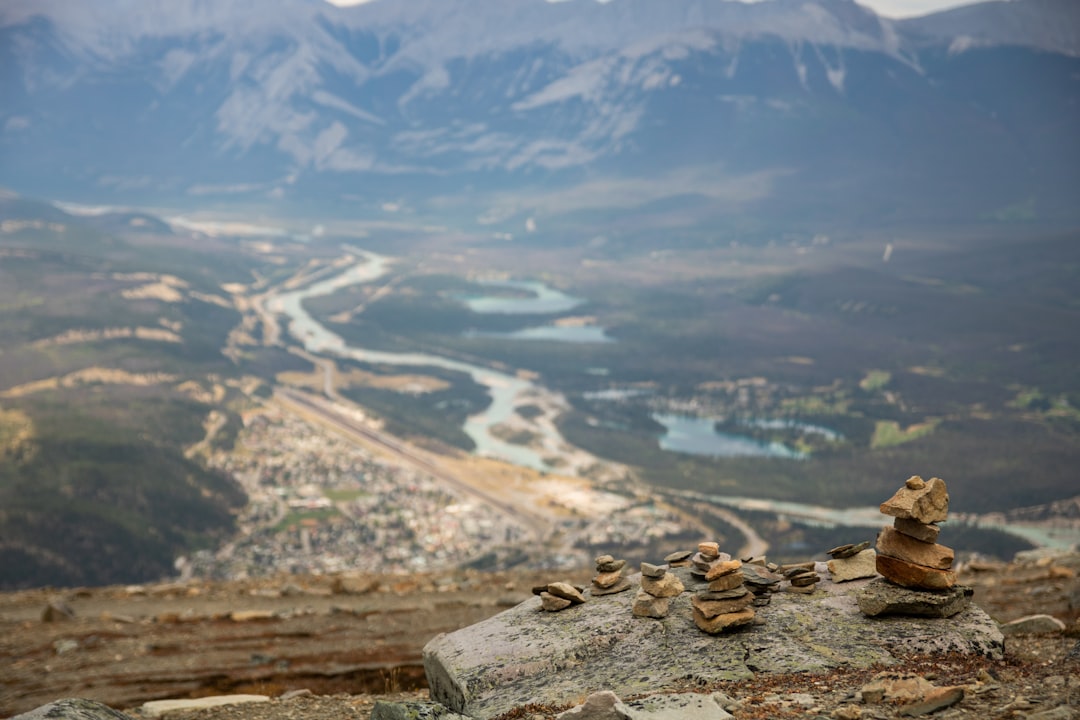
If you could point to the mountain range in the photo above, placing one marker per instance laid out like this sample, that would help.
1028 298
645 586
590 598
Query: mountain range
692 112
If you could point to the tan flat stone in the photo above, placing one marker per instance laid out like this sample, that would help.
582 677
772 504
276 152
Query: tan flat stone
727 582
723 567
720 623
911 575
859 566
552 603
664 587
607 579
904 547
646 605
927 502
711 608
919 531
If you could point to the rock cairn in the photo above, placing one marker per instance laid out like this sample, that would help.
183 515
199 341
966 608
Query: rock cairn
609 576
801 577
761 579
658 586
558 596
726 603
909 557
852 562
907 552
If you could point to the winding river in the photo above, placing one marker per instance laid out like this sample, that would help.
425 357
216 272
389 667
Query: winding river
506 390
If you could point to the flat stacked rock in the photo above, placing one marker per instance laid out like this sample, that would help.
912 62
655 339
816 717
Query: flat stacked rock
761 579
609 576
726 603
558 596
658 586
908 556
801 577
852 562
679 558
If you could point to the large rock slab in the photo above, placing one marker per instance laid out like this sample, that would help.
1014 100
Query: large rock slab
525 656
73 709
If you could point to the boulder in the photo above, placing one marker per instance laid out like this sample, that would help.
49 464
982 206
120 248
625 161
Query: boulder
1033 625
856 567
926 502
523 656
912 575
904 547
882 597
680 706
158 708
73 709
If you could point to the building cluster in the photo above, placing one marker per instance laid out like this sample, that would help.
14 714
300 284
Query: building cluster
320 504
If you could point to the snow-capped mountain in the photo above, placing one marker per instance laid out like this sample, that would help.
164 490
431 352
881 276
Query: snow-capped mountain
796 107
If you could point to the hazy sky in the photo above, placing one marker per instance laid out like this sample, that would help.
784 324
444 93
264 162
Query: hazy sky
888 8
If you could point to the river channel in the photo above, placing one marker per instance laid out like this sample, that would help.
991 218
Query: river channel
506 390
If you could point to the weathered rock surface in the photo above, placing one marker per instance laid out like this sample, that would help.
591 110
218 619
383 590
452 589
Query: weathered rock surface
855 567
526 656
926 502
898 545
882 597
73 709
413 711
604 705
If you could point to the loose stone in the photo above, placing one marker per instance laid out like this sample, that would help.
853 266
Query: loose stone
653 571
712 608
927 502
859 566
881 597
667 586
646 605
737 592
912 575
709 550
904 547
927 532
845 551
723 622
727 582
722 567
611 566
621 586
551 603
566 591
805 580
606 579
680 558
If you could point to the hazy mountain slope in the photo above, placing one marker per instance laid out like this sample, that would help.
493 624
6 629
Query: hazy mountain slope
785 109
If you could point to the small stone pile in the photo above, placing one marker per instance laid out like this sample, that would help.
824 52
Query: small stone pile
907 553
761 579
679 558
609 576
558 596
852 562
658 586
726 603
801 577
909 557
